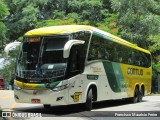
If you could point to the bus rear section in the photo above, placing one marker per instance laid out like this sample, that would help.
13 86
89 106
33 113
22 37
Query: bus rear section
1 83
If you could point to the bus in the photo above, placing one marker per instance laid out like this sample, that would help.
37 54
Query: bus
73 64
1 83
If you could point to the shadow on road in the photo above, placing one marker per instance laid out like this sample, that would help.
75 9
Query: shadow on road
72 110
112 103
53 110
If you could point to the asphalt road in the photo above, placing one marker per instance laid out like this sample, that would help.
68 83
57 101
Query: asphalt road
148 109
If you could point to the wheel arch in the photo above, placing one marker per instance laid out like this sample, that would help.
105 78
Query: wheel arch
137 86
92 86
134 88
143 89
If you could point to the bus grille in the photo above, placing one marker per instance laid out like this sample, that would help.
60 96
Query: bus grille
46 76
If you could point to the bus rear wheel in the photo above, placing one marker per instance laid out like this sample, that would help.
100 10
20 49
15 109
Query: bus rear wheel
88 104
140 96
135 98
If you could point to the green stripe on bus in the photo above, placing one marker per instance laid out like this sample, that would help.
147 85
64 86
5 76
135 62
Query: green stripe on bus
114 75
41 86
118 74
103 36
52 85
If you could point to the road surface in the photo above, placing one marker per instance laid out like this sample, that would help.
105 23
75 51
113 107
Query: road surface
116 109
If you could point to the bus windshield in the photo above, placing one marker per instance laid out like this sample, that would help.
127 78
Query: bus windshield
42 57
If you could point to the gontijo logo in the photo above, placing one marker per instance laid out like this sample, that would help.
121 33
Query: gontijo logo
135 71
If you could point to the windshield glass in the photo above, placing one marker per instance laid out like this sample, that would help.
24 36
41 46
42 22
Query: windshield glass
52 50
42 57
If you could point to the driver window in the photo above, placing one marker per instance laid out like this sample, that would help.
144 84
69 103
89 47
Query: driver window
76 60
73 60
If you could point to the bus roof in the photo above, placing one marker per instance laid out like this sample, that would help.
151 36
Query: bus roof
67 29
53 30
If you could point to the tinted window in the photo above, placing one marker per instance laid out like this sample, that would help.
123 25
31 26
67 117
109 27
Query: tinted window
105 49
77 56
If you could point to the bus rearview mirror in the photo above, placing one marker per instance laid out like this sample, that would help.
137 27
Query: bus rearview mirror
68 46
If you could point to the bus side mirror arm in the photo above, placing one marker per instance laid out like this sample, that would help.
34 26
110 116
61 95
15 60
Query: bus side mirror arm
68 46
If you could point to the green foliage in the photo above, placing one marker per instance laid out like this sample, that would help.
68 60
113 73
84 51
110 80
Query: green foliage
3 12
3 30
140 25
154 46
137 19
29 16
9 70
75 16
134 20
156 66
25 14
54 22
58 14
154 41
91 10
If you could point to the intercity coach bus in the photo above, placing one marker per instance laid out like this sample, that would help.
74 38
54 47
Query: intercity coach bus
73 64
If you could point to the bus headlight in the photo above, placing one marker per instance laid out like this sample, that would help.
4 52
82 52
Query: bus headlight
59 88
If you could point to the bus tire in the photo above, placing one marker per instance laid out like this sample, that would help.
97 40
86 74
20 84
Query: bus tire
46 106
140 96
136 96
88 104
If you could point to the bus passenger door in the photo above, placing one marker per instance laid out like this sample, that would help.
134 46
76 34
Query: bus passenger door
74 75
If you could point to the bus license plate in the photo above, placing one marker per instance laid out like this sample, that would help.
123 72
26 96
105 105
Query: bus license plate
35 100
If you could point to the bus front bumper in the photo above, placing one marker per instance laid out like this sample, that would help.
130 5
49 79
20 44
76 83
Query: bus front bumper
41 96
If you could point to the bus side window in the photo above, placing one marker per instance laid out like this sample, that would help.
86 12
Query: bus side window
76 60
130 60
116 54
92 54
106 54
146 60
140 61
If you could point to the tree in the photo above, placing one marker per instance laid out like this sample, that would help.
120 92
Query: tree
137 19
22 17
3 28
140 24
91 10
10 66
25 14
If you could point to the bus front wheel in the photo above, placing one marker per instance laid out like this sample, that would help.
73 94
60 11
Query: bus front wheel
88 104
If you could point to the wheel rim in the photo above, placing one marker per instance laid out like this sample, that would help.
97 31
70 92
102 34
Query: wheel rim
136 96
